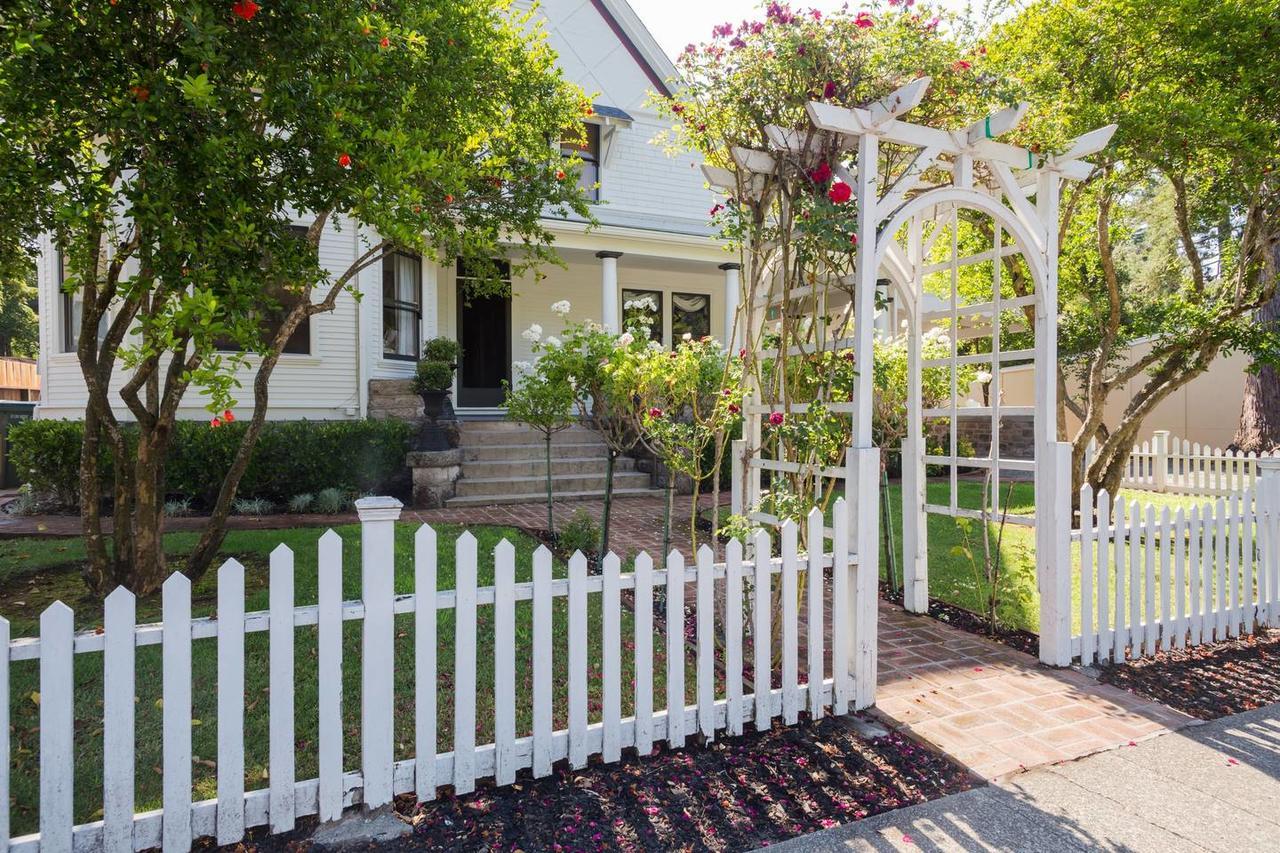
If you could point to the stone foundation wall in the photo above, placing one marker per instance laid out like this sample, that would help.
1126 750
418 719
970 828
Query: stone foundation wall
1017 435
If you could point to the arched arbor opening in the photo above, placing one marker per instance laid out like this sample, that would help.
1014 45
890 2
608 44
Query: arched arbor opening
963 260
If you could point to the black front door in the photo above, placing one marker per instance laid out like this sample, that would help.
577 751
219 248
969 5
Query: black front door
484 333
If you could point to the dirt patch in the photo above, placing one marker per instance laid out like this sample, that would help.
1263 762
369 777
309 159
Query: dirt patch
1207 682
733 794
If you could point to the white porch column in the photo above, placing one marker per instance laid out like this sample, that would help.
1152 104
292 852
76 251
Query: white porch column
610 316
732 287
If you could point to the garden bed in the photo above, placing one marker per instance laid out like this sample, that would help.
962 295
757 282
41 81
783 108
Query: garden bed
1210 681
733 794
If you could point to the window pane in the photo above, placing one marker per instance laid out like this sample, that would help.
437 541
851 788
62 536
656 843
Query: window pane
401 304
642 313
588 150
690 315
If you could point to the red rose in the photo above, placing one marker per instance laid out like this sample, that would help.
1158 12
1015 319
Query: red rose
141 93
821 174
961 65
853 239
776 418
655 413
244 9
840 192
228 416
733 409
560 175
864 21
448 198
215 423
829 90
385 42
344 160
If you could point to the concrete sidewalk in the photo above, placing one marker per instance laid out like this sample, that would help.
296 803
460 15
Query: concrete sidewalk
1211 787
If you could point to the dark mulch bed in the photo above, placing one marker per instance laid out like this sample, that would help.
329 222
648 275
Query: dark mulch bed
1207 682
734 794
967 620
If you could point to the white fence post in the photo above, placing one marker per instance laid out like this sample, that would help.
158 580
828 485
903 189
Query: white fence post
1268 507
378 517
737 453
1160 460
865 652
1053 555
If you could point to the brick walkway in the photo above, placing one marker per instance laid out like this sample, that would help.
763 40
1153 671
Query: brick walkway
998 710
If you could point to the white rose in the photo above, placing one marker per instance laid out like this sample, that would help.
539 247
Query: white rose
532 334
552 341
983 376
522 366
686 337
626 339
561 308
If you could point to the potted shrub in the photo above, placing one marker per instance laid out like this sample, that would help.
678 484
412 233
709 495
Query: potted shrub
433 381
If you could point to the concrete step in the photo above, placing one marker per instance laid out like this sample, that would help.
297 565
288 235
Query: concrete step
528 436
560 497
562 465
530 452
535 485
485 429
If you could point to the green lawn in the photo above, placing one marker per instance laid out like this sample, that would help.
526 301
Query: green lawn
952 577
35 572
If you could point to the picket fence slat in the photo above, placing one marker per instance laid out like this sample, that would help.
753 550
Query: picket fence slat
842 603
611 667
762 637
790 626
643 598
4 736
464 668
504 668
1248 609
675 650
329 660
118 665
231 823
1233 566
1122 530
706 673
1086 575
281 684
733 636
1223 596
1150 536
1106 634
176 725
1136 571
57 770
1179 614
813 612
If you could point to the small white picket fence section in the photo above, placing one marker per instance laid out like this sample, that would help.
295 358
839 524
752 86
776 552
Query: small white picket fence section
1176 466
1152 580
741 587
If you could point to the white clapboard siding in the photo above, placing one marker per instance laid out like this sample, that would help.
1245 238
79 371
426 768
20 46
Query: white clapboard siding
725 595
1153 582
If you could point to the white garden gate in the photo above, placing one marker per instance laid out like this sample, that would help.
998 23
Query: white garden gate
941 183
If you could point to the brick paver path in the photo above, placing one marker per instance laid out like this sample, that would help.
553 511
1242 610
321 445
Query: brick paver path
996 709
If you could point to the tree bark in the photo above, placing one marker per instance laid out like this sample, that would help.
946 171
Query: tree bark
1259 429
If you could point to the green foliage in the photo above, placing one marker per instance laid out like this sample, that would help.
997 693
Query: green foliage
253 506
331 501
441 349
19 326
291 457
302 503
580 533
433 376
177 507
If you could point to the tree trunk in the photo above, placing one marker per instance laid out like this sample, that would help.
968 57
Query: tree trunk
608 502
1259 429
551 520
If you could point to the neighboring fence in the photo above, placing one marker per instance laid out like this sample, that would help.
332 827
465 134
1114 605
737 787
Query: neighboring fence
1166 464
1152 580
725 596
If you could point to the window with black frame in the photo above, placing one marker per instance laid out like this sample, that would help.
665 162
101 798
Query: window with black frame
690 315
642 309
401 305
586 148
279 301
72 305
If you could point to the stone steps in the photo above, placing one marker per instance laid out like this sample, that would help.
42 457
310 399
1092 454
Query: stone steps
505 463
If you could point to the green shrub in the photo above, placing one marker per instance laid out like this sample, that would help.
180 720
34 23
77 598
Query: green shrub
441 349
177 507
330 501
302 503
252 506
579 533
291 457
433 376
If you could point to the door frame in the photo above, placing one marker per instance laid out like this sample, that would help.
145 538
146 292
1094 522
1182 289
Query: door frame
488 398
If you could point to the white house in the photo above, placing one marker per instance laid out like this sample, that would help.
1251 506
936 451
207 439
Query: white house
653 239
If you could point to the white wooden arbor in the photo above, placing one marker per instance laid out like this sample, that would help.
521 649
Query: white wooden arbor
909 216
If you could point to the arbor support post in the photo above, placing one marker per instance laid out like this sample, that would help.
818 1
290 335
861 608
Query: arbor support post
378 517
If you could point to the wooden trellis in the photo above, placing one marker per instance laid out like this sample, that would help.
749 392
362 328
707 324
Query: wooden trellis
912 217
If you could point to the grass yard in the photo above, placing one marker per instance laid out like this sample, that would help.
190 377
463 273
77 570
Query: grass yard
954 579
36 572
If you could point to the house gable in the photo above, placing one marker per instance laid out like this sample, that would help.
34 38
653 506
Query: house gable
605 49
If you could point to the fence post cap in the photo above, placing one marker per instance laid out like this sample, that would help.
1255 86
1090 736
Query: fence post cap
378 509
1268 465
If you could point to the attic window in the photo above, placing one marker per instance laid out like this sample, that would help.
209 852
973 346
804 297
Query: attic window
587 148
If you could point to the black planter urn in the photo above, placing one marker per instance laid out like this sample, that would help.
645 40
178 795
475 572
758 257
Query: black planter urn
435 407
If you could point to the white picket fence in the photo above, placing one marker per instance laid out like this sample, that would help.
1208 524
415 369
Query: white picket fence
724 594
1173 465
1152 580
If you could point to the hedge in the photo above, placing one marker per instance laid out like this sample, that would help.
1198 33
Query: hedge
291 458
